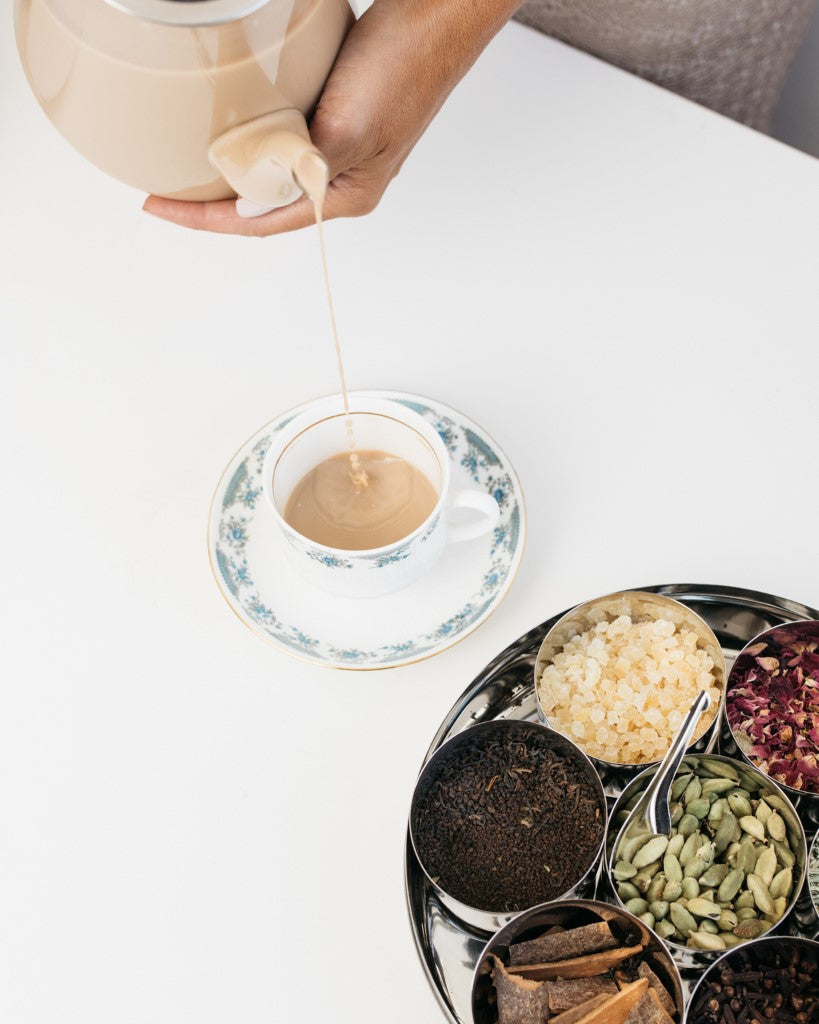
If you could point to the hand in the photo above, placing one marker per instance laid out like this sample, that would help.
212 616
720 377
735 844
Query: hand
398 64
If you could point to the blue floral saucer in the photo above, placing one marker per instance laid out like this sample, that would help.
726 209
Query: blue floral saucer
247 554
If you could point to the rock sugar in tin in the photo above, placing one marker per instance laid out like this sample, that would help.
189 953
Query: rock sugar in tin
618 675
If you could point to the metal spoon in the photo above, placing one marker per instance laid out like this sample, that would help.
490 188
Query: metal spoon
652 812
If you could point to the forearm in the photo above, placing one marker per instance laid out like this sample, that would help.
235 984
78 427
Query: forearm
439 42
458 29
410 54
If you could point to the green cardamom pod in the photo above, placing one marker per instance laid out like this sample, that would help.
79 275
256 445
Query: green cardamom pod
700 907
694 868
672 869
721 769
784 855
766 865
776 827
689 850
730 885
637 906
682 920
699 808
622 871
753 826
692 792
652 851
704 940
740 805
679 785
687 824
715 875
665 929
718 786
725 832
690 888
627 891
762 897
782 883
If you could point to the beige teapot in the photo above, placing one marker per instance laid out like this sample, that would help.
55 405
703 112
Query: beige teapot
188 99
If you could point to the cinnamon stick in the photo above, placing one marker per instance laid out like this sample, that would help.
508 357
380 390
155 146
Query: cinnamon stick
565 995
576 967
577 1013
575 942
617 1009
520 1001
654 983
648 1010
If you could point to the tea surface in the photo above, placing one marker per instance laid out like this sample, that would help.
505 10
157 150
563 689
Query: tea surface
329 507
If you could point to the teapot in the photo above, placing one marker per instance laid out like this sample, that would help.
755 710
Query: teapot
187 99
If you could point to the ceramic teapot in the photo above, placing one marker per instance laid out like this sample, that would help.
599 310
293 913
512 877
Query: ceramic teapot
188 99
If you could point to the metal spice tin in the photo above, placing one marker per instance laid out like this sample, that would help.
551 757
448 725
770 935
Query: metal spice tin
486 918
641 606
448 949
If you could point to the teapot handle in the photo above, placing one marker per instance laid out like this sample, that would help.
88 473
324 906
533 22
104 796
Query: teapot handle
261 159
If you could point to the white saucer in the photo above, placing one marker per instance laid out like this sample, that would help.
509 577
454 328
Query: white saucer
247 555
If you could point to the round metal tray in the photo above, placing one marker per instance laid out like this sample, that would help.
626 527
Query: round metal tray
448 950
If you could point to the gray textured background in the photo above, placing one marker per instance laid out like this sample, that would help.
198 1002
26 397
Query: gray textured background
797 116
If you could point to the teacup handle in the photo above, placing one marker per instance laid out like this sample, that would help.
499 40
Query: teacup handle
481 502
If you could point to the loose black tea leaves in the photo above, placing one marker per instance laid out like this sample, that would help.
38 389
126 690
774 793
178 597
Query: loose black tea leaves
509 823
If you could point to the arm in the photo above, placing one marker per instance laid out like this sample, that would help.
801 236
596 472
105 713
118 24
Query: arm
397 66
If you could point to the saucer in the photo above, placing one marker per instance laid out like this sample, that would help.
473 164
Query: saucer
248 558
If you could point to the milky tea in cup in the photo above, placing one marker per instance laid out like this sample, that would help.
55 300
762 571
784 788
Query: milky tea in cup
360 499
371 520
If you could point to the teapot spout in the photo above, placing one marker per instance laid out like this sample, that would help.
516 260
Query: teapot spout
269 162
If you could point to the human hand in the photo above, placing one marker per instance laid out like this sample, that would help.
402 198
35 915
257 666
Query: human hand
398 64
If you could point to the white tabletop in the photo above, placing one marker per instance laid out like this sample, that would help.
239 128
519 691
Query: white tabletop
618 285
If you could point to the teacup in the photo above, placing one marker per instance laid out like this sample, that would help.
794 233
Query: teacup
319 433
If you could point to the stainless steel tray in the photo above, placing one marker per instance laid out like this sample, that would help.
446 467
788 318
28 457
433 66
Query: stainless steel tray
447 949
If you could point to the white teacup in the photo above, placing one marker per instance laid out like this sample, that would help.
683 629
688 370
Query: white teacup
319 433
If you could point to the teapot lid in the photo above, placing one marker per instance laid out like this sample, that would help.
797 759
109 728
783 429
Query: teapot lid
189 13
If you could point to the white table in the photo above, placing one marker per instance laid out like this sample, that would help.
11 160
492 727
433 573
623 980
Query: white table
194 827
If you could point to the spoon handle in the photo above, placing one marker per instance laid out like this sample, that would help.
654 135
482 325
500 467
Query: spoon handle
653 807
